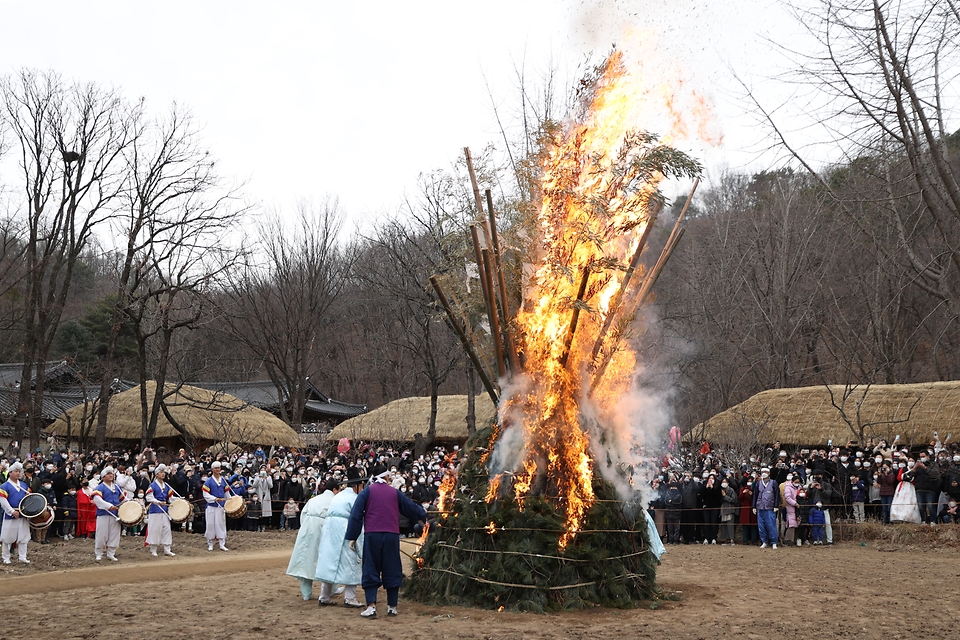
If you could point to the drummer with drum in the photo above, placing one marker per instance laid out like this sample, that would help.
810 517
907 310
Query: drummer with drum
16 529
108 497
215 491
162 499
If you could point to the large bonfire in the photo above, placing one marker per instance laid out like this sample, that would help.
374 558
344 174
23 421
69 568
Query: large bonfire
529 523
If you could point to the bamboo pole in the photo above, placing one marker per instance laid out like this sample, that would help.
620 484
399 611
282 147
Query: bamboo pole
512 354
618 299
478 252
494 318
464 341
672 241
572 329
473 183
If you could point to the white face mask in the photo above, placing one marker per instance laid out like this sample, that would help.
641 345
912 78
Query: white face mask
724 485
843 458
910 464
764 475
878 460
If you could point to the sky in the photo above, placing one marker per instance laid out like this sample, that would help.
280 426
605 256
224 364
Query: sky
305 99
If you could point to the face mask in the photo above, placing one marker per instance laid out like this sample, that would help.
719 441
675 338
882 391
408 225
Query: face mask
856 464
764 475
753 459
956 458
89 468
843 458
924 460
910 464
47 486
151 469
289 469
901 465
878 460
72 492
724 485
250 491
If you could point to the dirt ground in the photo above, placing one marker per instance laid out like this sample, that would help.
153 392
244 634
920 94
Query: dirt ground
848 590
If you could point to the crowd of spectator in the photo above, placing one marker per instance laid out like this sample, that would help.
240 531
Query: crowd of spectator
703 496
276 482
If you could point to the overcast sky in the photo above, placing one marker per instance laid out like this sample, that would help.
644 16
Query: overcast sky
306 98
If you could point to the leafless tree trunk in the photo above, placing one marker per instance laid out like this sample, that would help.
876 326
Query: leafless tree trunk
70 140
280 308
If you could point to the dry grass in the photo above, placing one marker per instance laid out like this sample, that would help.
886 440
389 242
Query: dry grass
807 415
898 536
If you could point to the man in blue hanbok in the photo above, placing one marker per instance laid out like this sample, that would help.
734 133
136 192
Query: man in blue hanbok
338 560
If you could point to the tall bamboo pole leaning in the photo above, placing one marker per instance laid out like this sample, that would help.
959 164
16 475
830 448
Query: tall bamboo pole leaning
494 318
478 252
624 284
473 183
484 378
647 285
512 355
574 317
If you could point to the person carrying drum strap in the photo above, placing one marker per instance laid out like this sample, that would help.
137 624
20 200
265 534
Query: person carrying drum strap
215 490
159 495
15 529
107 498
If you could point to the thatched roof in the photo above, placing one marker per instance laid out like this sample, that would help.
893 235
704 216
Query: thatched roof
399 420
806 415
206 415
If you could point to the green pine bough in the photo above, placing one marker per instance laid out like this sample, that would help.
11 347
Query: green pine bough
516 563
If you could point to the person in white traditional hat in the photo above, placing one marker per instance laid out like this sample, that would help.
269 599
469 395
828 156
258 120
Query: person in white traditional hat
215 491
159 495
107 498
15 529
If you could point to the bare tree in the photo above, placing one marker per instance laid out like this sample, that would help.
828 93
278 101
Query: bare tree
885 78
69 139
166 200
280 307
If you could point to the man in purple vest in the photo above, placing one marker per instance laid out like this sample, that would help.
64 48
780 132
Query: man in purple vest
377 513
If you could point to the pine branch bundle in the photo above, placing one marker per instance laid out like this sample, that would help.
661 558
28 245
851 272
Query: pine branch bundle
515 562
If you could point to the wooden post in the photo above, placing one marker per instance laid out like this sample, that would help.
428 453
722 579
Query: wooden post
478 252
464 341
494 318
514 358
473 183
572 329
618 299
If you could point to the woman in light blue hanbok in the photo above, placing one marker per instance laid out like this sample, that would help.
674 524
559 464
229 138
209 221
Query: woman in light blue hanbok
306 550
338 563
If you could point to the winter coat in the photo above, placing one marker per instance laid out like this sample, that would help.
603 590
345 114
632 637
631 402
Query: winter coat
730 506
888 484
691 494
858 492
673 501
337 563
746 506
927 477
262 485
790 498
817 516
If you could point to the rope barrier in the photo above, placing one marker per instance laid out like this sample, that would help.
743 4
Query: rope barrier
539 555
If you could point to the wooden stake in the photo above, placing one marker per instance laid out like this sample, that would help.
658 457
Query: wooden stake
478 252
512 355
464 341
618 299
473 183
571 330
494 318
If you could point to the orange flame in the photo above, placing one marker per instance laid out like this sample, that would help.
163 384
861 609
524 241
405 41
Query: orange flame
592 215
491 528
494 488
445 492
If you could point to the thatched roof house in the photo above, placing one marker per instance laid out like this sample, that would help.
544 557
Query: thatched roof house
401 419
808 415
206 416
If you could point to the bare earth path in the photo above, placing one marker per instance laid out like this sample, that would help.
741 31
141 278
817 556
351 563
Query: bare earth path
726 592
